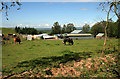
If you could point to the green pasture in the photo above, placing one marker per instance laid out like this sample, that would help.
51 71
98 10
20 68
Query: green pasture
35 49
37 54
7 30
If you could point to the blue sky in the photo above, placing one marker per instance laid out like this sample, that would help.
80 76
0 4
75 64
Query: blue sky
44 14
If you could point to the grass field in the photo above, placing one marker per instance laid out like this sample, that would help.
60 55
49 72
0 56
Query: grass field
37 54
7 30
29 50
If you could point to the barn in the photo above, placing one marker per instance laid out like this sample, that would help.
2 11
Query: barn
100 36
79 34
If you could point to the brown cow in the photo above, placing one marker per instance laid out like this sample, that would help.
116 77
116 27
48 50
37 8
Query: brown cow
17 39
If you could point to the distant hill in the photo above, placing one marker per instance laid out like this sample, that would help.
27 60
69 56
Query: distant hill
11 30
7 30
79 28
43 29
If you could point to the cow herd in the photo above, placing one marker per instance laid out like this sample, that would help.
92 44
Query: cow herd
8 37
17 39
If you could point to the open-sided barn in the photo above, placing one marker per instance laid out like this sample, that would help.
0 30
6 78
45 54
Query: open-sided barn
79 34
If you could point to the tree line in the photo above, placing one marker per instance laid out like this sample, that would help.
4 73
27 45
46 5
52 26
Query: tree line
112 29
26 30
57 29
98 27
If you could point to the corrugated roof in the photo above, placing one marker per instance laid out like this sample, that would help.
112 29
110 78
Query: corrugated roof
48 37
100 34
79 34
76 31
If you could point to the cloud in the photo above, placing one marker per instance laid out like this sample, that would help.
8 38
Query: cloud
47 25
84 9
26 25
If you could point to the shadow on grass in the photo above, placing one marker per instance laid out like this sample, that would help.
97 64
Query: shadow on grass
54 61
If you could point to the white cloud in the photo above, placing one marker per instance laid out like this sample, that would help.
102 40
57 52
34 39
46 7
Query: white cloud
47 25
85 22
20 24
26 25
78 25
84 9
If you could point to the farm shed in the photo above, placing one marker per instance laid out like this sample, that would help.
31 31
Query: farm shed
40 36
24 36
77 32
29 37
80 36
37 36
60 36
48 37
100 36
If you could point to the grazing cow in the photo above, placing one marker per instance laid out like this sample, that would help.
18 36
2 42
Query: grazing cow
67 40
5 37
17 39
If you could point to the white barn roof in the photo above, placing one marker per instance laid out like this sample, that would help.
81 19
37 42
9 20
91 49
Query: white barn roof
76 31
48 37
100 34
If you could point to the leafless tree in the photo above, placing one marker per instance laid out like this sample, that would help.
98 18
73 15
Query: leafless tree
5 6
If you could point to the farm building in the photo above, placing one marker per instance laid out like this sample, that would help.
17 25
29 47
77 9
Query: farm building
29 37
48 37
60 36
79 34
43 36
100 36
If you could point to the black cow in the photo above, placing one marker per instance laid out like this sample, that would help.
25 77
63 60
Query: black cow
67 40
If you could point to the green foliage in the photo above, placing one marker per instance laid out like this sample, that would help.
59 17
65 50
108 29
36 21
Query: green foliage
70 27
26 30
41 54
64 29
112 29
56 29
98 28
17 29
86 28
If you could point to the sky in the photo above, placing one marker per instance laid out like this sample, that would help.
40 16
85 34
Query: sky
45 14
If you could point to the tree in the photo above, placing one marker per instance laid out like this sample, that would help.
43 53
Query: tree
64 29
56 29
86 28
70 27
17 29
27 30
113 6
7 5
112 29
99 27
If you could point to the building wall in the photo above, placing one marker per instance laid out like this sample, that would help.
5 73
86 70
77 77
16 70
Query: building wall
97 37
82 37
